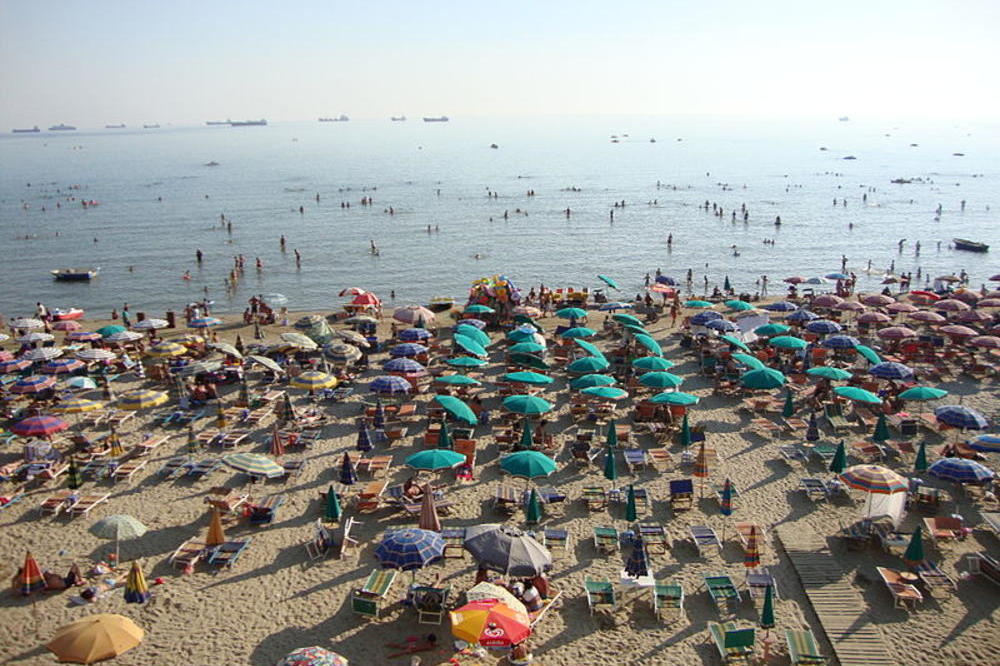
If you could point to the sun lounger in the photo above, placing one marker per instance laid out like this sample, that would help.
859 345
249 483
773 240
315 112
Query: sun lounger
992 521
792 454
758 581
556 540
49 470
595 497
12 499
370 495
229 553
293 467
600 595
733 643
722 591
668 601
944 528
188 554
367 601
681 494
176 466
655 536
375 466
635 458
802 648
982 564
606 539
815 489
226 500
232 438
454 542
704 537
264 512
149 445
203 468
660 459
86 503
126 471
824 452
834 414
54 504
321 543
431 603
345 542
765 426
902 592
935 579
505 499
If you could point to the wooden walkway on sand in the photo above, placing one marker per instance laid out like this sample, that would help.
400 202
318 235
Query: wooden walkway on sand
841 611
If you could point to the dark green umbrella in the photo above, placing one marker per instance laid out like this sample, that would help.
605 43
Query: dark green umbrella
444 437
610 466
571 313
526 404
751 362
652 364
768 330
789 409
829 372
727 286
920 464
525 377
766 378
734 342
881 429
923 393
674 398
660 380
533 513
588 347
631 515
649 343
528 361
611 434
627 319
73 478
839 462
767 612
527 436
591 380
915 549
685 437
868 353
333 510
457 409
587 365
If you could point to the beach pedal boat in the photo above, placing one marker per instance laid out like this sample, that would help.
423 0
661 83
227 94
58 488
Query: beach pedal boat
735 644
606 539
668 601
802 648
660 459
935 579
556 540
454 542
227 554
55 503
367 601
86 503
722 591
655 536
188 553
126 471
203 468
595 497
635 458
681 494
176 466
600 595
264 512
758 581
704 537
904 594
792 454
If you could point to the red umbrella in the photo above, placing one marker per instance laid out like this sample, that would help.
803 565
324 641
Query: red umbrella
66 325
925 295
29 578
927 317
877 299
39 426
874 318
366 298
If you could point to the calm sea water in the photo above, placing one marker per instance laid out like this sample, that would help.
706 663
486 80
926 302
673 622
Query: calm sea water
440 174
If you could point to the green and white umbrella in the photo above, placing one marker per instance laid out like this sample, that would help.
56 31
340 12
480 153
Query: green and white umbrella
254 464
118 526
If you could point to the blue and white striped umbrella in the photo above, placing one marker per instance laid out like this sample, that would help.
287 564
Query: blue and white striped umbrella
406 366
841 342
985 443
615 305
33 384
414 334
409 549
204 322
723 325
781 306
823 326
62 366
702 318
471 321
407 349
364 438
890 370
390 385
960 470
960 416
802 315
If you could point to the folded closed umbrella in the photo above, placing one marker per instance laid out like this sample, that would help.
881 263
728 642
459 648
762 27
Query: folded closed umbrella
136 589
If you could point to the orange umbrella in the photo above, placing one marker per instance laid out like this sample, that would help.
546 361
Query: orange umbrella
216 535
95 638
428 512
277 448
29 579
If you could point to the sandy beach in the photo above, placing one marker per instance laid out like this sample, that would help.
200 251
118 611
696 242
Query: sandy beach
275 599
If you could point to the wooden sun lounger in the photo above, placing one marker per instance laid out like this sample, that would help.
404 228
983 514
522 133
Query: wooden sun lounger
126 471
176 466
375 466
86 503
595 497
765 426
226 500
227 554
233 438
903 593
704 537
188 553
265 511
655 536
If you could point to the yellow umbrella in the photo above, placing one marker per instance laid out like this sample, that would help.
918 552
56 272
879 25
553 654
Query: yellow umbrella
136 589
95 638
188 339
77 406
142 398
167 350
314 380
216 535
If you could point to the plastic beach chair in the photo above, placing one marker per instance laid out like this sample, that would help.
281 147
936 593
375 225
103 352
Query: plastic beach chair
733 643
802 648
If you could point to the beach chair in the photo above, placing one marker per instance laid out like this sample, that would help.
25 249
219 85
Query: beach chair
188 554
655 536
430 603
660 459
734 644
681 494
765 426
757 582
321 543
668 601
233 438
992 521
556 540
904 594
226 500
149 445
454 542
634 459
126 471
375 466
346 543
802 648
606 539
293 467
935 579
55 503
228 554
176 466
367 601
204 468
945 528
834 415
265 511
814 489
595 497
86 503
600 595
505 499
824 452
982 564
704 537
792 454
722 591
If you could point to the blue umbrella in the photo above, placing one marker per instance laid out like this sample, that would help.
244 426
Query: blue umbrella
781 306
409 549
414 334
348 476
960 416
615 305
802 315
812 432
721 325
985 443
889 370
960 470
841 342
478 323
837 276
390 385
404 365
637 564
407 349
702 318
364 438
823 326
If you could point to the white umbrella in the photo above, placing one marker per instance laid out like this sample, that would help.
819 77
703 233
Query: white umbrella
124 336
36 336
42 354
95 355
266 362
299 340
150 324
24 323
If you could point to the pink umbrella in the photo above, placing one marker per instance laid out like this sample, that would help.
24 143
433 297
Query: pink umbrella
877 299
852 306
986 341
902 308
966 296
990 302
353 291
411 314
951 305
896 333
66 325
956 331
827 301
973 316
795 279
927 317
874 318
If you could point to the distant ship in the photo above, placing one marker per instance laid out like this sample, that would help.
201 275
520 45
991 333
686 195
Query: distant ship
61 127
153 126
119 126
843 119
247 123
339 119
970 246
439 119
217 122
26 131
397 119
75 274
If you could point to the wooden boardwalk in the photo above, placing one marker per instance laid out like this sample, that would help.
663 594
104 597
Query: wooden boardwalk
841 611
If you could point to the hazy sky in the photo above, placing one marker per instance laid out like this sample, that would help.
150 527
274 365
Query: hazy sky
94 62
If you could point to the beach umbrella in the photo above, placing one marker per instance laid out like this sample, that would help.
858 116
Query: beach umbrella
915 549
254 464
788 409
42 354
348 475
652 364
466 362
868 353
874 479
136 590
767 611
891 370
85 383
767 378
73 477
533 512
637 564
26 323
986 342
268 363
39 426
631 512
477 308
701 463
588 365
428 512
627 319
973 317
605 392
286 413
528 464
473 333
457 409
829 372
493 592
526 360
364 441
526 348
434 460
592 380
877 300
390 385
751 555
927 317
802 316
920 463
312 656
588 347
749 361
333 511
578 332
341 352
188 339
82 336
878 317
490 623
123 337
192 441
951 305
409 549
704 318
985 443
314 380
650 344
526 404
404 367
960 416
95 637
614 305
411 314
118 526
533 378
108 331
881 429
674 398
827 300
611 434
457 380
33 384
780 306
507 550
660 380
839 462
527 436
142 399
608 281
63 366
960 470
685 434
895 333
698 304
523 333
770 330
739 306
150 324
204 322
29 578
470 346
413 334
407 349
353 337
857 394
788 342
117 450
571 313
812 430
730 340
823 327
14 365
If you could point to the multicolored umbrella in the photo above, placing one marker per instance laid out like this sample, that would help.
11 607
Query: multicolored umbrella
490 623
726 502
409 549
314 380
751 555
14 365
960 470
985 443
312 656
254 464
701 463
29 578
39 426
142 399
63 366
136 590
204 322
874 479
73 477
33 384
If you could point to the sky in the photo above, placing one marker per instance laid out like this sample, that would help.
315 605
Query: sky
104 61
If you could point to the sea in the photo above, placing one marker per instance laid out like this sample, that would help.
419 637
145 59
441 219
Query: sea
462 209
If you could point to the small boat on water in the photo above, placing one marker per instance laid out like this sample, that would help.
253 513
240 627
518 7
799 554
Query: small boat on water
339 119
397 119
61 127
970 246
216 122
72 314
30 130
75 274
441 303
153 126
436 119
118 126
247 123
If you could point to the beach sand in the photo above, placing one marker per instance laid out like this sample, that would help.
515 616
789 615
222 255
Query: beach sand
275 600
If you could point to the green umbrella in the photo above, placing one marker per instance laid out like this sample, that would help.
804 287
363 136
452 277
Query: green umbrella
610 466
635 330
457 409
685 436
768 330
73 478
457 380
915 549
526 348
527 438
605 392
839 462
727 286
588 347
526 404
118 526
589 381
881 429
652 363
469 345
734 342
739 306
528 360
434 459
608 281
674 398
533 513
474 333
788 342
522 334
525 377
649 343
578 332
920 464
465 362
767 611
789 409
857 394
445 440
923 393
611 435
476 308
108 331
333 510
571 313
768 378
588 365
829 372
868 353
751 362
660 380
697 304
525 319
627 319
631 515
528 464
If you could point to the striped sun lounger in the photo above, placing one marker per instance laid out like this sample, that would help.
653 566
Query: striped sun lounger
802 647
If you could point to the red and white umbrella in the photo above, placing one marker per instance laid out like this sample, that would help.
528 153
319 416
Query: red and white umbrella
903 308
851 306
927 317
66 325
957 331
874 318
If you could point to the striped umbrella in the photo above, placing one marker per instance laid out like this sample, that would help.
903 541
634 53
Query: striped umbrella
390 385
891 370
96 355
341 352
204 322
39 426
751 555
812 430
414 334
6 355
188 339
407 349
986 341
42 354
63 366
254 464
637 564
802 316
726 504
874 479
701 463
960 470
33 384
411 314
896 333
166 350
364 442
192 441
220 416
312 656
73 477
348 475
34 337
287 413
405 367
29 578
277 445
136 590
960 416
150 324
985 443
823 326
314 380
142 399
216 534
409 549
83 336
14 365
117 451
26 323
123 337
